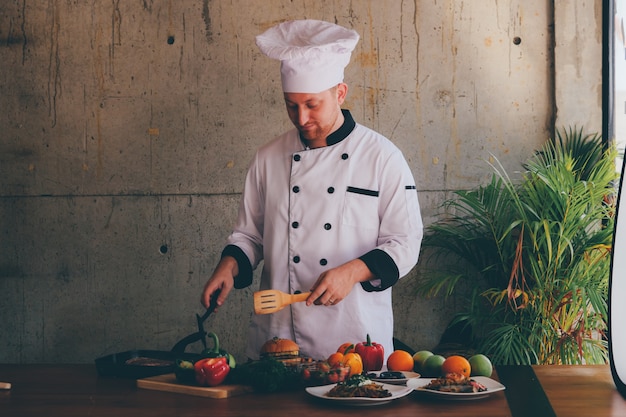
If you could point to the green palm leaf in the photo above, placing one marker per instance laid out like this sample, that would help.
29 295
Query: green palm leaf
536 252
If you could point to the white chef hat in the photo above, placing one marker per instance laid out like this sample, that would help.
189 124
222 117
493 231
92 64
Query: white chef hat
312 53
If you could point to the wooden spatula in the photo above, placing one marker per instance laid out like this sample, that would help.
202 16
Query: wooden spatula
271 301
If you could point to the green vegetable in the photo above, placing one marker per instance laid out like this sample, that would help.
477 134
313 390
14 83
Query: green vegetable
356 380
231 360
184 364
216 352
184 371
213 352
266 375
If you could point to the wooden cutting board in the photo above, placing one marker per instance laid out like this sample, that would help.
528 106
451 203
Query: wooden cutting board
168 383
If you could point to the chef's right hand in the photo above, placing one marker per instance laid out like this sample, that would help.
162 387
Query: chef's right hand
222 280
333 285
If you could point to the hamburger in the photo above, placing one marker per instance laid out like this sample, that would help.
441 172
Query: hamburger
283 350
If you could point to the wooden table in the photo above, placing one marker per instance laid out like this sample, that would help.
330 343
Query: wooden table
77 390
581 390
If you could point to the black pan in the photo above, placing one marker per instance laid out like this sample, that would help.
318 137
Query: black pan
141 363
146 363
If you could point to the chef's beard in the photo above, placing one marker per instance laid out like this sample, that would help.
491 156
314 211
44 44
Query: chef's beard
310 134
317 132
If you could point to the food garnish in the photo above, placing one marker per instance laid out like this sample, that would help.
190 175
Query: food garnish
359 386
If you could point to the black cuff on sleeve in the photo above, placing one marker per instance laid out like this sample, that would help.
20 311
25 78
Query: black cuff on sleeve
383 267
244 278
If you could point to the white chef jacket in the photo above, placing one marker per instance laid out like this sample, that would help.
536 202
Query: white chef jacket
304 211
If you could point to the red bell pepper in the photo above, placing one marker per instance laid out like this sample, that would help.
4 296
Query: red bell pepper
372 355
211 371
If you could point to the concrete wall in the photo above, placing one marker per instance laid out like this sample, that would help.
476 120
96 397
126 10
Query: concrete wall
126 128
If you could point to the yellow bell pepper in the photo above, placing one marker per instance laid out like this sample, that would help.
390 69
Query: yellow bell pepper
354 361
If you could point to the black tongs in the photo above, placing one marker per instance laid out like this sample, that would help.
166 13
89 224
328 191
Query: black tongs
201 333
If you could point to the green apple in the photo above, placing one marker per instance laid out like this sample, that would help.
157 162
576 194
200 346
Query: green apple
419 358
432 366
481 365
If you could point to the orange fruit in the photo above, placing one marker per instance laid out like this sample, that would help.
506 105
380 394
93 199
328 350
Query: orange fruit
456 364
400 360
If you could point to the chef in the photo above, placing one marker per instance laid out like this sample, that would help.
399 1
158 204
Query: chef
329 207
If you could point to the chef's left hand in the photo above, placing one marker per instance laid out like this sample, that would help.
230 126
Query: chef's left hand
334 285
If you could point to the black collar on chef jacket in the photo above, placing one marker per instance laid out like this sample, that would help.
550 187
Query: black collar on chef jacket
340 134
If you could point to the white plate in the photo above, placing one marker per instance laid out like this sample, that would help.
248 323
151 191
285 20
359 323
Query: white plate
397 391
492 386
399 381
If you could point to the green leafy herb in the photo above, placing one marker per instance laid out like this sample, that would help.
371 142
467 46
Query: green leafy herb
266 375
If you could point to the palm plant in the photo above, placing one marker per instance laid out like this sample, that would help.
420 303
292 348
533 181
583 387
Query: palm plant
535 253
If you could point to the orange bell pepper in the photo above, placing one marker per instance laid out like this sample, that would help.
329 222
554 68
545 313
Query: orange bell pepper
346 348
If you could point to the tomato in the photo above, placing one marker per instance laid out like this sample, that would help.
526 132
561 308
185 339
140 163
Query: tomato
324 367
333 377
